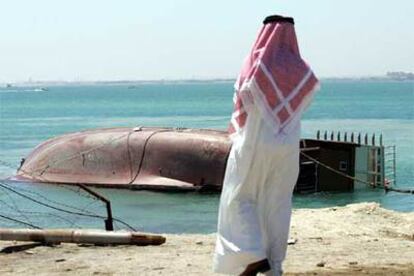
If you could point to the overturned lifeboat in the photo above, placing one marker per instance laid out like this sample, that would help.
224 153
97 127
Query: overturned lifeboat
166 159
179 159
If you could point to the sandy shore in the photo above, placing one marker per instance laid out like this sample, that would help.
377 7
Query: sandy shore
358 239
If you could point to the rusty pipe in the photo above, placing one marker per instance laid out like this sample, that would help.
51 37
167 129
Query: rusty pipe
87 236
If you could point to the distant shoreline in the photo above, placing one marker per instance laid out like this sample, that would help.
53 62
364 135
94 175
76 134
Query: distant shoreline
120 82
178 81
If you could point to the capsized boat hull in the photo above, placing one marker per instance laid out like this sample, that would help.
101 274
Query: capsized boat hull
165 159
170 159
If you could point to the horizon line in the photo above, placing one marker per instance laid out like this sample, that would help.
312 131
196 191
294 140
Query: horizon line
130 81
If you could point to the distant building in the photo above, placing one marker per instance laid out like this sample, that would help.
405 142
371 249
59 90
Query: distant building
400 75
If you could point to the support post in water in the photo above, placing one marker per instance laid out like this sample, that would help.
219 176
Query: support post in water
109 223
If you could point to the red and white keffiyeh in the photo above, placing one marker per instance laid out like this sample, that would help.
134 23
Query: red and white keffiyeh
275 78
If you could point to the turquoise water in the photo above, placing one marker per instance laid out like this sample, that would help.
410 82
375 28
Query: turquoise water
29 116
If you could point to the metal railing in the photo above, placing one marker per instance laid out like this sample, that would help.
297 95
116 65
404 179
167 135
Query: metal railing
390 164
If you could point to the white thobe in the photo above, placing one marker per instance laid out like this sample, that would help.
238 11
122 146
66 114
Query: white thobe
256 200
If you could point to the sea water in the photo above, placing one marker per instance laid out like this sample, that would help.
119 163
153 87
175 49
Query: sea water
29 116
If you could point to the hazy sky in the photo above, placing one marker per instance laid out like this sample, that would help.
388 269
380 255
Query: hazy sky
132 39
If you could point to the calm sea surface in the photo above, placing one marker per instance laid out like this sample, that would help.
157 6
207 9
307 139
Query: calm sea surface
28 116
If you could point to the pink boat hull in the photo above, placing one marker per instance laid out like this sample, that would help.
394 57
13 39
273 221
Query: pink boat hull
142 158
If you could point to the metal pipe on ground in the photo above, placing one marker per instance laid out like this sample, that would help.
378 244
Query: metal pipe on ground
87 236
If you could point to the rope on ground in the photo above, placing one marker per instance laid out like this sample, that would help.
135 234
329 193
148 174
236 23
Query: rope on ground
372 184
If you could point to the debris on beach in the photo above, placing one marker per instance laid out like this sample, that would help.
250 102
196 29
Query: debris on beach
292 241
96 237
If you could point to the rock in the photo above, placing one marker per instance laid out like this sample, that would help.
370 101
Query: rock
320 264
199 243
353 263
291 241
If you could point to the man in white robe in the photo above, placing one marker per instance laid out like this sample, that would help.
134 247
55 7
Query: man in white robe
272 91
